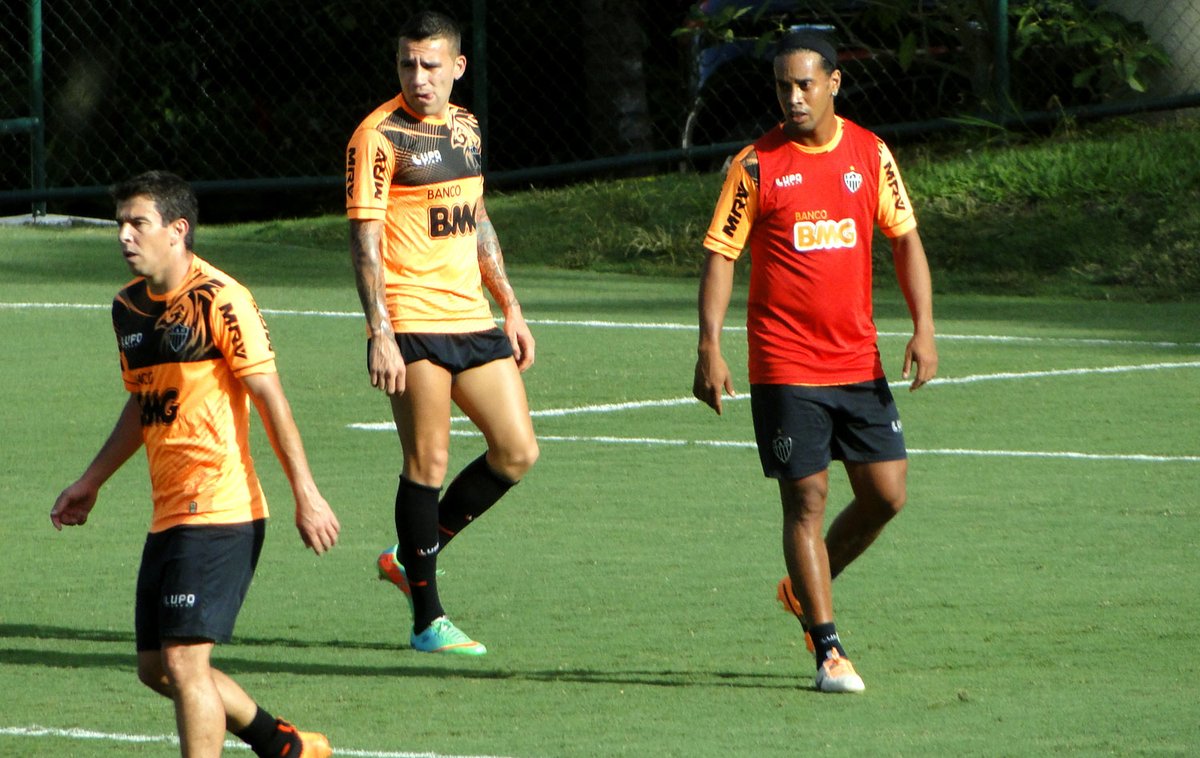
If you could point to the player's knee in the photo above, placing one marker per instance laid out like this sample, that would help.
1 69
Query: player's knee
183 665
804 499
888 503
151 674
896 503
528 457
513 462
429 468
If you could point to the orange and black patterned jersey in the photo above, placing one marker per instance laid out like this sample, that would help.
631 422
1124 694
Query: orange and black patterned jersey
808 214
182 356
421 176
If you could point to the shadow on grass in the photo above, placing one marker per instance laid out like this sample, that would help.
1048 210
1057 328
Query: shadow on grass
455 668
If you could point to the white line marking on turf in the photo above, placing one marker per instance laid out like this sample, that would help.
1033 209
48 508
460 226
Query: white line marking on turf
170 739
1059 372
750 445
668 326
1139 457
72 306
86 734
677 401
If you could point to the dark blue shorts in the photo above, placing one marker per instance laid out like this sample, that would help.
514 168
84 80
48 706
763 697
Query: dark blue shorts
193 580
800 429
455 352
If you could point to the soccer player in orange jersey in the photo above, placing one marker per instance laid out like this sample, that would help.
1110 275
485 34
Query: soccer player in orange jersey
423 249
805 198
195 353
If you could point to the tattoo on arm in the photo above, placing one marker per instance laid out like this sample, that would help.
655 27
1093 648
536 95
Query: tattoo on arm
491 264
366 255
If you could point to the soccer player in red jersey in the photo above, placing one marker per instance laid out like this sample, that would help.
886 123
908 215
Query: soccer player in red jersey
195 354
805 199
423 249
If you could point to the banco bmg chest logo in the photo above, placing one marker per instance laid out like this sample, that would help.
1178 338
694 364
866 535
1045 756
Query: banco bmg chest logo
159 407
451 221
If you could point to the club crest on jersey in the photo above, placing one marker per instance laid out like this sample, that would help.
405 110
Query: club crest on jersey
782 447
177 337
853 180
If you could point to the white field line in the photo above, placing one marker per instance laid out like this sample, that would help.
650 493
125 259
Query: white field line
667 326
965 452
33 732
677 401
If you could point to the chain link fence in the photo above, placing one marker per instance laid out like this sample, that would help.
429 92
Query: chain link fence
263 94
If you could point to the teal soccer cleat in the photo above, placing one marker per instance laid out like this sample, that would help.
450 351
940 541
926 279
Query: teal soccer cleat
442 636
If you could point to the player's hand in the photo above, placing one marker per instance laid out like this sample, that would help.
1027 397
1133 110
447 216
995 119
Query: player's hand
521 338
922 351
72 506
711 378
318 524
385 365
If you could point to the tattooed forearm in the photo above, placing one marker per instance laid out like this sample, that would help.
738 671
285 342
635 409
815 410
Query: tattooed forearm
368 273
491 265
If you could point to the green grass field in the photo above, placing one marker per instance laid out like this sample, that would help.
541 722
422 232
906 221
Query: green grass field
1037 596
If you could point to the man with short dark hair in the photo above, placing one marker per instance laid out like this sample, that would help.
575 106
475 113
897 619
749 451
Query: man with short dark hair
805 198
195 353
423 248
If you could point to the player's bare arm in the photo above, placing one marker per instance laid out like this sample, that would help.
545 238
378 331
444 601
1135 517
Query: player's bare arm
384 363
491 269
912 272
712 375
75 503
316 521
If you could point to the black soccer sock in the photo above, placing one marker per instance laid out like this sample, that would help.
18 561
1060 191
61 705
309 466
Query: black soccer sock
476 488
825 638
267 739
417 533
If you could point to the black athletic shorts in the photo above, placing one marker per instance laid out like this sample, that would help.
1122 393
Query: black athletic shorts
193 580
800 429
454 352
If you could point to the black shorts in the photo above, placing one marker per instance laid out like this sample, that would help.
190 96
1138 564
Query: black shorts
455 352
800 429
193 580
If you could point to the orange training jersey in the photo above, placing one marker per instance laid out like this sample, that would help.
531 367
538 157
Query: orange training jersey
182 356
808 215
421 176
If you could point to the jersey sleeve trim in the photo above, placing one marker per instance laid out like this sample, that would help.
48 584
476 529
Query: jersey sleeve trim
263 367
735 210
895 216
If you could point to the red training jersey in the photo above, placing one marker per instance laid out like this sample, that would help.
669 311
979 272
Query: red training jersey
808 214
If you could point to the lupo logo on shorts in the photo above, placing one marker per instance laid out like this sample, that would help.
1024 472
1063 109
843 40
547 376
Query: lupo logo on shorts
179 601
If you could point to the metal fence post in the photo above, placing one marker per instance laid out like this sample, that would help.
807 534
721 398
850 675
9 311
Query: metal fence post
479 77
37 105
1000 75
